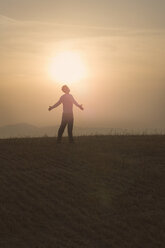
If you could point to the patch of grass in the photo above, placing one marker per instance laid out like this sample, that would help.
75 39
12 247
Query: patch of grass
102 191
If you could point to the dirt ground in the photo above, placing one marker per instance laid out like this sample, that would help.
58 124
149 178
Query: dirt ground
102 191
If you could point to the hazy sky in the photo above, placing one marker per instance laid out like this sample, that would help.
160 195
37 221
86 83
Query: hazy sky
121 43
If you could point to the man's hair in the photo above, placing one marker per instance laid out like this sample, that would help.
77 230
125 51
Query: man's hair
65 88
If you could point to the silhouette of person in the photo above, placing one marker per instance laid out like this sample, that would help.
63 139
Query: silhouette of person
67 117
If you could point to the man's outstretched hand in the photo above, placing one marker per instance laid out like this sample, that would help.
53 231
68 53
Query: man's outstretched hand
81 107
50 108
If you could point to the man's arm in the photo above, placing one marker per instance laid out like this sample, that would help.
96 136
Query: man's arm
55 105
78 105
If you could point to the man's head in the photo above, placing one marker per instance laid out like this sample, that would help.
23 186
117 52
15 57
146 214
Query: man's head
65 89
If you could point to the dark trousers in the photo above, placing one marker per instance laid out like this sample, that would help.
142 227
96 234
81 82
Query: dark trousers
67 120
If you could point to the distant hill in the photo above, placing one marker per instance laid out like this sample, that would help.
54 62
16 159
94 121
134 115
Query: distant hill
26 130
21 130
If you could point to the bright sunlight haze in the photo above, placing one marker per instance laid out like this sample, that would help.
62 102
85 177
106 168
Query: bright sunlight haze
67 67
110 53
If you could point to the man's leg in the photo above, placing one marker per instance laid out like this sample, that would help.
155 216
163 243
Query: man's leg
70 128
61 128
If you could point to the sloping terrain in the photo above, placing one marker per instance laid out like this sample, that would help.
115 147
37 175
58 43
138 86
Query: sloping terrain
102 191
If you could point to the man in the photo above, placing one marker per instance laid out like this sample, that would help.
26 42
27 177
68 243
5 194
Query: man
67 117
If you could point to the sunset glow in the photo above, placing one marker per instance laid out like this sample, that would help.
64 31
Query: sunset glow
66 67
110 54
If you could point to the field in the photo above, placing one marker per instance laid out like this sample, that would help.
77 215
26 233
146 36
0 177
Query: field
102 191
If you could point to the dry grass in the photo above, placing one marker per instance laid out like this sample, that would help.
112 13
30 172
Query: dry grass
103 191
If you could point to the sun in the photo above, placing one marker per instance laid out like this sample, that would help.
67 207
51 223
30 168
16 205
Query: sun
67 66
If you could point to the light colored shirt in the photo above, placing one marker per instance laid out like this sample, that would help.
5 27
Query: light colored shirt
67 100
